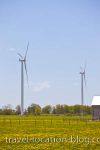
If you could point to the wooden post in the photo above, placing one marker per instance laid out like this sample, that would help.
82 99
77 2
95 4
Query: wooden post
19 121
51 122
10 122
35 122
69 121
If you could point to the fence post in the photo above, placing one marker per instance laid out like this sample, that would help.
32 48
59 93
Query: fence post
51 122
86 122
35 122
19 121
10 122
69 121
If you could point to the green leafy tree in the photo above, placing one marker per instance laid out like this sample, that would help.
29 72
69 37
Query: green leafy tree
77 109
66 109
7 110
47 109
59 109
18 109
34 109
53 110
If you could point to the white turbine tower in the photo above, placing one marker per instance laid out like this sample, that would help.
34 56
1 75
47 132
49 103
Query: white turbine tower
82 73
23 64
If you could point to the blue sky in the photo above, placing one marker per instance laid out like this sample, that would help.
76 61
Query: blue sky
63 35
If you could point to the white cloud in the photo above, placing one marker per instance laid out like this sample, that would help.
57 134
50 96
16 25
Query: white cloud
41 86
12 49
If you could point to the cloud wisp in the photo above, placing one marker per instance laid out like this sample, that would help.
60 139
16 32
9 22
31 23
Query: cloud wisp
12 49
41 86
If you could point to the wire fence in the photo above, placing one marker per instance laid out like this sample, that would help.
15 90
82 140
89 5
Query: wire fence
47 123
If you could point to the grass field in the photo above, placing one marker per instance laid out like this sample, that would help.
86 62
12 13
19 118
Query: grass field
49 133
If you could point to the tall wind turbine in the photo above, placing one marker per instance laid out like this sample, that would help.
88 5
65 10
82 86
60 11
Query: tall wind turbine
23 64
83 80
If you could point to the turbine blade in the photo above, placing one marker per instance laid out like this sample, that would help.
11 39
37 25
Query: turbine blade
81 69
20 55
26 72
84 79
85 74
84 67
26 51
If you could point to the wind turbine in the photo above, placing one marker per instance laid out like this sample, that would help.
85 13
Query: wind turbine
83 80
23 64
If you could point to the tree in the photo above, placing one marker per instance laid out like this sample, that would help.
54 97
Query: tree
71 109
77 109
34 109
87 109
18 109
66 109
7 110
1 112
47 109
59 109
53 110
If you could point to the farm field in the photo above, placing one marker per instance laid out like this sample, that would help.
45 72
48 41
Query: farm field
49 133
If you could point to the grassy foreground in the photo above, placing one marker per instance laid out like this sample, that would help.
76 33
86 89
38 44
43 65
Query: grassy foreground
49 133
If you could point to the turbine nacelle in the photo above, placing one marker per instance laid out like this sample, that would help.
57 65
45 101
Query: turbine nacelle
22 60
83 72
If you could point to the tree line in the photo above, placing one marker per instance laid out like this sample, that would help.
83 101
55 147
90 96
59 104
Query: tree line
35 109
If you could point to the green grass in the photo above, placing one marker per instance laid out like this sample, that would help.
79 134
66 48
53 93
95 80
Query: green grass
49 131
